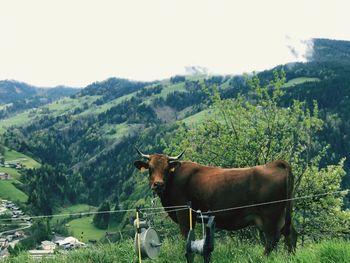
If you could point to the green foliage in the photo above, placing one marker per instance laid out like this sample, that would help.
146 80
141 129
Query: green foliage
322 215
101 219
48 187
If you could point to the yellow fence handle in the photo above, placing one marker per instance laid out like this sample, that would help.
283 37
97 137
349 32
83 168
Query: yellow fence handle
138 235
190 212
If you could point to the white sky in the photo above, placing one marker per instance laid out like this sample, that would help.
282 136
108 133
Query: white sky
76 42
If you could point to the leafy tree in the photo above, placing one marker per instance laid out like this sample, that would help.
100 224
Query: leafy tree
101 219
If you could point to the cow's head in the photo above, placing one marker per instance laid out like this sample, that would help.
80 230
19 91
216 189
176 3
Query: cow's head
159 167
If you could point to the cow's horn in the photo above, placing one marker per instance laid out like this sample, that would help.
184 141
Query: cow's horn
176 157
142 154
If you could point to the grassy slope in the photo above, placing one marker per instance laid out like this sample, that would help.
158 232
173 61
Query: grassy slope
56 108
226 251
11 171
84 224
197 118
297 81
9 191
73 209
13 156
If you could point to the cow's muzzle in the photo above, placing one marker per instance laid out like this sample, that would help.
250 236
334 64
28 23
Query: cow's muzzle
158 187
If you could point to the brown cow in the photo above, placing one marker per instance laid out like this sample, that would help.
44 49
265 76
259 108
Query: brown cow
212 188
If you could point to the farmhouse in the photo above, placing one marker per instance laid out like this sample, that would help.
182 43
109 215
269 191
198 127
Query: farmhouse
48 245
4 176
69 243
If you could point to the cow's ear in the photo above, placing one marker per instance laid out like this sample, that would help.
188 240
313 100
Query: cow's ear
174 165
141 165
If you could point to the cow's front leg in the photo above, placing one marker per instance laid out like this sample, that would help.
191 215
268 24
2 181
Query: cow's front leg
183 219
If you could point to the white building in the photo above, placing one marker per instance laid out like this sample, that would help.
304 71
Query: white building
48 245
69 242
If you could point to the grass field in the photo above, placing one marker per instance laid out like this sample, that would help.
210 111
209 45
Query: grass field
13 156
9 191
55 108
226 251
84 224
297 81
11 171
73 209
197 118
18 120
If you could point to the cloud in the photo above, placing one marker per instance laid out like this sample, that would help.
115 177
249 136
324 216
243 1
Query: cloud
300 49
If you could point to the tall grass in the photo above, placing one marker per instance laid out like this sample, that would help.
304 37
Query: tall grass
226 250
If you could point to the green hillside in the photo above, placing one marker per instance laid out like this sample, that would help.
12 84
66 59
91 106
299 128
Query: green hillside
9 192
8 189
14 156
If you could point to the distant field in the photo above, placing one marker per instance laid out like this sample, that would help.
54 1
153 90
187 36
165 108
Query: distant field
68 104
9 191
167 89
11 171
197 118
298 81
55 108
13 156
18 119
84 224
77 208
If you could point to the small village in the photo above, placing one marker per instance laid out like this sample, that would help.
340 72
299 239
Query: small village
9 238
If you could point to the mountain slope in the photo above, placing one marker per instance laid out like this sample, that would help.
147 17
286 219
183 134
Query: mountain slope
11 91
17 96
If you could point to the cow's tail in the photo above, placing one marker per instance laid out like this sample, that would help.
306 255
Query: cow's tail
289 203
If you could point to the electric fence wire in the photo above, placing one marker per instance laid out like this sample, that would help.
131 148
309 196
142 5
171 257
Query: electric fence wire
169 209
176 208
276 201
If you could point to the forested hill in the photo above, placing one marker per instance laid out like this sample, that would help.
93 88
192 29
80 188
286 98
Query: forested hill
17 96
89 138
326 50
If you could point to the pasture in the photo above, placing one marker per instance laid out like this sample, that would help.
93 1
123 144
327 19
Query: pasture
84 224
301 80
14 156
9 191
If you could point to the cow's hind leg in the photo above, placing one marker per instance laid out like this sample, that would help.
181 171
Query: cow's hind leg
272 239
290 238
272 236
